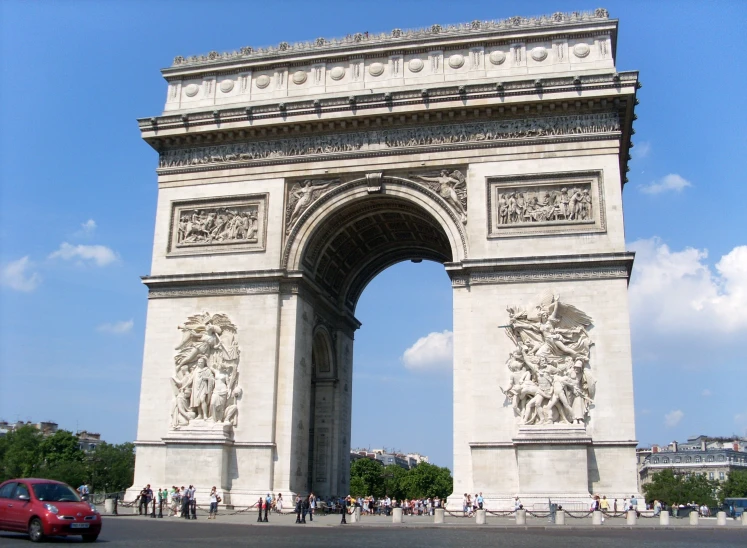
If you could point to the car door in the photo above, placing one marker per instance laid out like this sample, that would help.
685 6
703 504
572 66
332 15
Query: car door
18 509
6 504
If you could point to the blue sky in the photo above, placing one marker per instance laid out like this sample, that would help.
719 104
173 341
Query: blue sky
78 195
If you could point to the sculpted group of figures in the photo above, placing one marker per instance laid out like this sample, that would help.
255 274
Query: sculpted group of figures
515 207
206 363
550 378
206 226
394 138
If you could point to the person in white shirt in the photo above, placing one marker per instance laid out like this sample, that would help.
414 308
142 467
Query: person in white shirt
215 498
517 504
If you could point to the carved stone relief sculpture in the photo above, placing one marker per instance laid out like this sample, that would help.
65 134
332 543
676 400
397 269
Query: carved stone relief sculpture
545 204
301 195
220 224
452 187
550 380
206 372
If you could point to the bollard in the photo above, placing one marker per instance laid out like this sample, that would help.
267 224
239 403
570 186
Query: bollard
355 517
664 518
521 517
109 506
438 516
631 517
397 515
596 518
560 517
480 517
694 517
744 518
721 518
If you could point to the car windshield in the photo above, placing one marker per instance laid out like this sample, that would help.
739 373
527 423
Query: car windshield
54 492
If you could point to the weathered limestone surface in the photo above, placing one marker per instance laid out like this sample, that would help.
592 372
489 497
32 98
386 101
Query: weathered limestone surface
290 177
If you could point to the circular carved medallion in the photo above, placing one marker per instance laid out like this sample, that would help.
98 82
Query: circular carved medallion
415 65
539 53
226 85
497 57
337 73
299 77
191 90
581 50
376 69
456 61
263 81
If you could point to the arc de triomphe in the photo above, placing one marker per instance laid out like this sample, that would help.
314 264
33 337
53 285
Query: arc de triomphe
290 176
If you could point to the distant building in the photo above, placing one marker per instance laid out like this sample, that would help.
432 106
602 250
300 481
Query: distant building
712 457
388 458
88 441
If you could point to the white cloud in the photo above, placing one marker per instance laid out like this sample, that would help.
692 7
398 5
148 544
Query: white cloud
676 292
673 418
16 275
116 328
706 393
434 351
100 254
88 228
669 182
642 149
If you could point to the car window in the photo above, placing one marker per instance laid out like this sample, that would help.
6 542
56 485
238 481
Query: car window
55 492
7 490
21 490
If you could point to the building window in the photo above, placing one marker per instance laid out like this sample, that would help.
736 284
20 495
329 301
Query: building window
721 476
710 475
698 459
665 460
656 461
710 458
678 459
688 459
721 458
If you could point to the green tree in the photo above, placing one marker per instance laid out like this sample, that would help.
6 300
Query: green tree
358 487
370 472
394 481
20 453
735 485
112 467
671 488
428 480
62 446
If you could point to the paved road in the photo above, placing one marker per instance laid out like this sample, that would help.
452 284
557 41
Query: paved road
175 533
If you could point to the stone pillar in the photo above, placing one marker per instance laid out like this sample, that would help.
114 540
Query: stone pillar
596 518
744 518
631 517
560 517
721 518
480 517
357 514
438 516
397 515
521 517
694 517
664 518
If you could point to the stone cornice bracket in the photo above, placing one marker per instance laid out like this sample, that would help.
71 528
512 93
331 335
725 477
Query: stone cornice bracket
375 182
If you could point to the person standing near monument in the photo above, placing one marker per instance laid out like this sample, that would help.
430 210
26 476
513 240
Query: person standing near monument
214 500
312 506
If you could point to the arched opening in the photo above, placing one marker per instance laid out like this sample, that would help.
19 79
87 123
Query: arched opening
339 245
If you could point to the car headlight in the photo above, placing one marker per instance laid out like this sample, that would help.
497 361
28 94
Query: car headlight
93 508
51 507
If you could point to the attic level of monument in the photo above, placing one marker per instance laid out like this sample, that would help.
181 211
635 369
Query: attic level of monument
502 29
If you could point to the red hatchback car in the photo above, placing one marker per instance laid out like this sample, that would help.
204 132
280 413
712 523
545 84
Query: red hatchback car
43 507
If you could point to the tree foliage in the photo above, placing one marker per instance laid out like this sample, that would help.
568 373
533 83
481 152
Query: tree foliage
735 485
26 453
369 477
672 488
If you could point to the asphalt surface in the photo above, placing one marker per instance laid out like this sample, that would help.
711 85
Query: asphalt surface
326 531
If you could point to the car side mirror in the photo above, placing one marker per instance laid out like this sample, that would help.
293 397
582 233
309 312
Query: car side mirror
23 497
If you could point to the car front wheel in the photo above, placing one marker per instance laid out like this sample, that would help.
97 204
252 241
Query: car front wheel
36 530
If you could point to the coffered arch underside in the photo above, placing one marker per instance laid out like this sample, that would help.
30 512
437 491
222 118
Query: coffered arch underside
352 233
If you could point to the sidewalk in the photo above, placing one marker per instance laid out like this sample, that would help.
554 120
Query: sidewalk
333 520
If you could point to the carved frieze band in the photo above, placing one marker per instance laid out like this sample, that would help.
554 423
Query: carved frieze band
215 291
474 134
559 203
523 276
215 225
